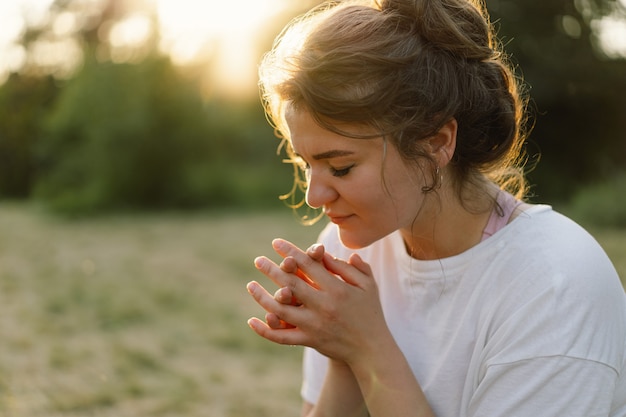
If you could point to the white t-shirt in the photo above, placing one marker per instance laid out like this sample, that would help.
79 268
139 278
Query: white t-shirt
530 322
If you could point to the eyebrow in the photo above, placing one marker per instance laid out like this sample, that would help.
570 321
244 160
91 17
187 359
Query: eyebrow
336 153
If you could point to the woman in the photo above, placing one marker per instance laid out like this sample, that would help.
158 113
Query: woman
435 290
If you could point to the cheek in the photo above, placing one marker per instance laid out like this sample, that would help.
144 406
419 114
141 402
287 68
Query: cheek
403 192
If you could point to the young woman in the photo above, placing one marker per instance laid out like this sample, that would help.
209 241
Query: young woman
434 290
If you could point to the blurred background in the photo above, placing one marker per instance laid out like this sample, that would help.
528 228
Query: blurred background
152 104
139 179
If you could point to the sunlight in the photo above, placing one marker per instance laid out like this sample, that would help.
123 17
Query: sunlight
611 33
132 31
65 24
129 38
58 57
12 28
221 32
221 37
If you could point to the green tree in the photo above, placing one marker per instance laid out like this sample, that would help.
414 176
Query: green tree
24 101
121 135
578 95
125 136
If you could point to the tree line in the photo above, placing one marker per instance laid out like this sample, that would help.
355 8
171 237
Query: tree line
140 136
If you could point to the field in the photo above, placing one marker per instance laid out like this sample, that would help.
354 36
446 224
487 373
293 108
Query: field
146 315
139 316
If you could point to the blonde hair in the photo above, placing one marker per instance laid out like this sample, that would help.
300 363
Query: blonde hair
404 68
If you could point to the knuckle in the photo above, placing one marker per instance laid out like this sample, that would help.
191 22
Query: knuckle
293 284
306 261
282 337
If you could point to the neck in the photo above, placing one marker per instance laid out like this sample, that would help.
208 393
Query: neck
445 227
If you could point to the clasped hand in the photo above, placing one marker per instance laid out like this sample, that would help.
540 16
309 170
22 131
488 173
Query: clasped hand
323 302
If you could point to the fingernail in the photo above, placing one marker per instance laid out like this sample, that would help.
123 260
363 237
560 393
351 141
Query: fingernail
281 293
314 247
278 244
259 262
251 324
251 287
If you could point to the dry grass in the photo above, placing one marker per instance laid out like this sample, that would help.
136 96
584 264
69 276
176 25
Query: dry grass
139 316
145 316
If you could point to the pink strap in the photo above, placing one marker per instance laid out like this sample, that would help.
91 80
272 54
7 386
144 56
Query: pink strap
499 219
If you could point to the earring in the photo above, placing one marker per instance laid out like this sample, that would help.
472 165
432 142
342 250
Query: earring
438 178
437 181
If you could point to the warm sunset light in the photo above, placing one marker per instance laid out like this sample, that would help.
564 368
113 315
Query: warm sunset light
224 35
611 34
223 32
221 39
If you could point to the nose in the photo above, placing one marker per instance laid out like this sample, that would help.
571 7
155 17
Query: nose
319 192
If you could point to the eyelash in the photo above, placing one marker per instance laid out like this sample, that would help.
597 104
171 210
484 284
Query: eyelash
341 172
337 172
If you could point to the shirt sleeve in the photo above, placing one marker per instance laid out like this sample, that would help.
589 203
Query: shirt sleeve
529 388
556 341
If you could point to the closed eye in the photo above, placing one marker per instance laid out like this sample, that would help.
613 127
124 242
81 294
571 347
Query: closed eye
341 172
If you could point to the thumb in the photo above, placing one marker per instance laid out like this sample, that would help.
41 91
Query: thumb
356 261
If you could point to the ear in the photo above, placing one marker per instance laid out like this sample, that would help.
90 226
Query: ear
443 143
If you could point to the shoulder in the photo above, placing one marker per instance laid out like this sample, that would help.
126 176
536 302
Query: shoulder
544 251
555 245
557 293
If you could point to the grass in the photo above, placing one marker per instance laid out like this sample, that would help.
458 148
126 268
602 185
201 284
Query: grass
139 316
145 315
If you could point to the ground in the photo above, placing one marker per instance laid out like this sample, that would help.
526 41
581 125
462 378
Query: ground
145 315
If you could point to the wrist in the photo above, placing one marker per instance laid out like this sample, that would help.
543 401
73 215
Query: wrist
376 348
385 377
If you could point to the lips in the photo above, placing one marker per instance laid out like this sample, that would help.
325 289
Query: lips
337 219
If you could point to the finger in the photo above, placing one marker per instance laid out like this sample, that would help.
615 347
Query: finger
271 270
358 262
257 292
292 336
355 271
275 322
280 277
280 247
285 296
286 312
316 252
314 270
272 319
289 265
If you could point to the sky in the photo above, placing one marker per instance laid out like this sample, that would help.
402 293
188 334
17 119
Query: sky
224 31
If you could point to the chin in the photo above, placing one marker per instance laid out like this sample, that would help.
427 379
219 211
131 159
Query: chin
354 241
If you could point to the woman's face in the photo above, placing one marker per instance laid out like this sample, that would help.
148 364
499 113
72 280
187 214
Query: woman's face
363 185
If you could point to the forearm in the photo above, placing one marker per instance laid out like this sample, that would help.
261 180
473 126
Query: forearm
341 395
389 387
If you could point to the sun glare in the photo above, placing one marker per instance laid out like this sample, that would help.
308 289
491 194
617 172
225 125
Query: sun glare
219 36
611 34
221 32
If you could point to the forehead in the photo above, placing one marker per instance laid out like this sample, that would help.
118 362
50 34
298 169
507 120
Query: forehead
307 136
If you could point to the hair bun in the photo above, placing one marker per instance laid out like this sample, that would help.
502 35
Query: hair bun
459 26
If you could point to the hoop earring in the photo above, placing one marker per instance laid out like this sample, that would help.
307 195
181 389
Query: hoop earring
437 181
438 177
